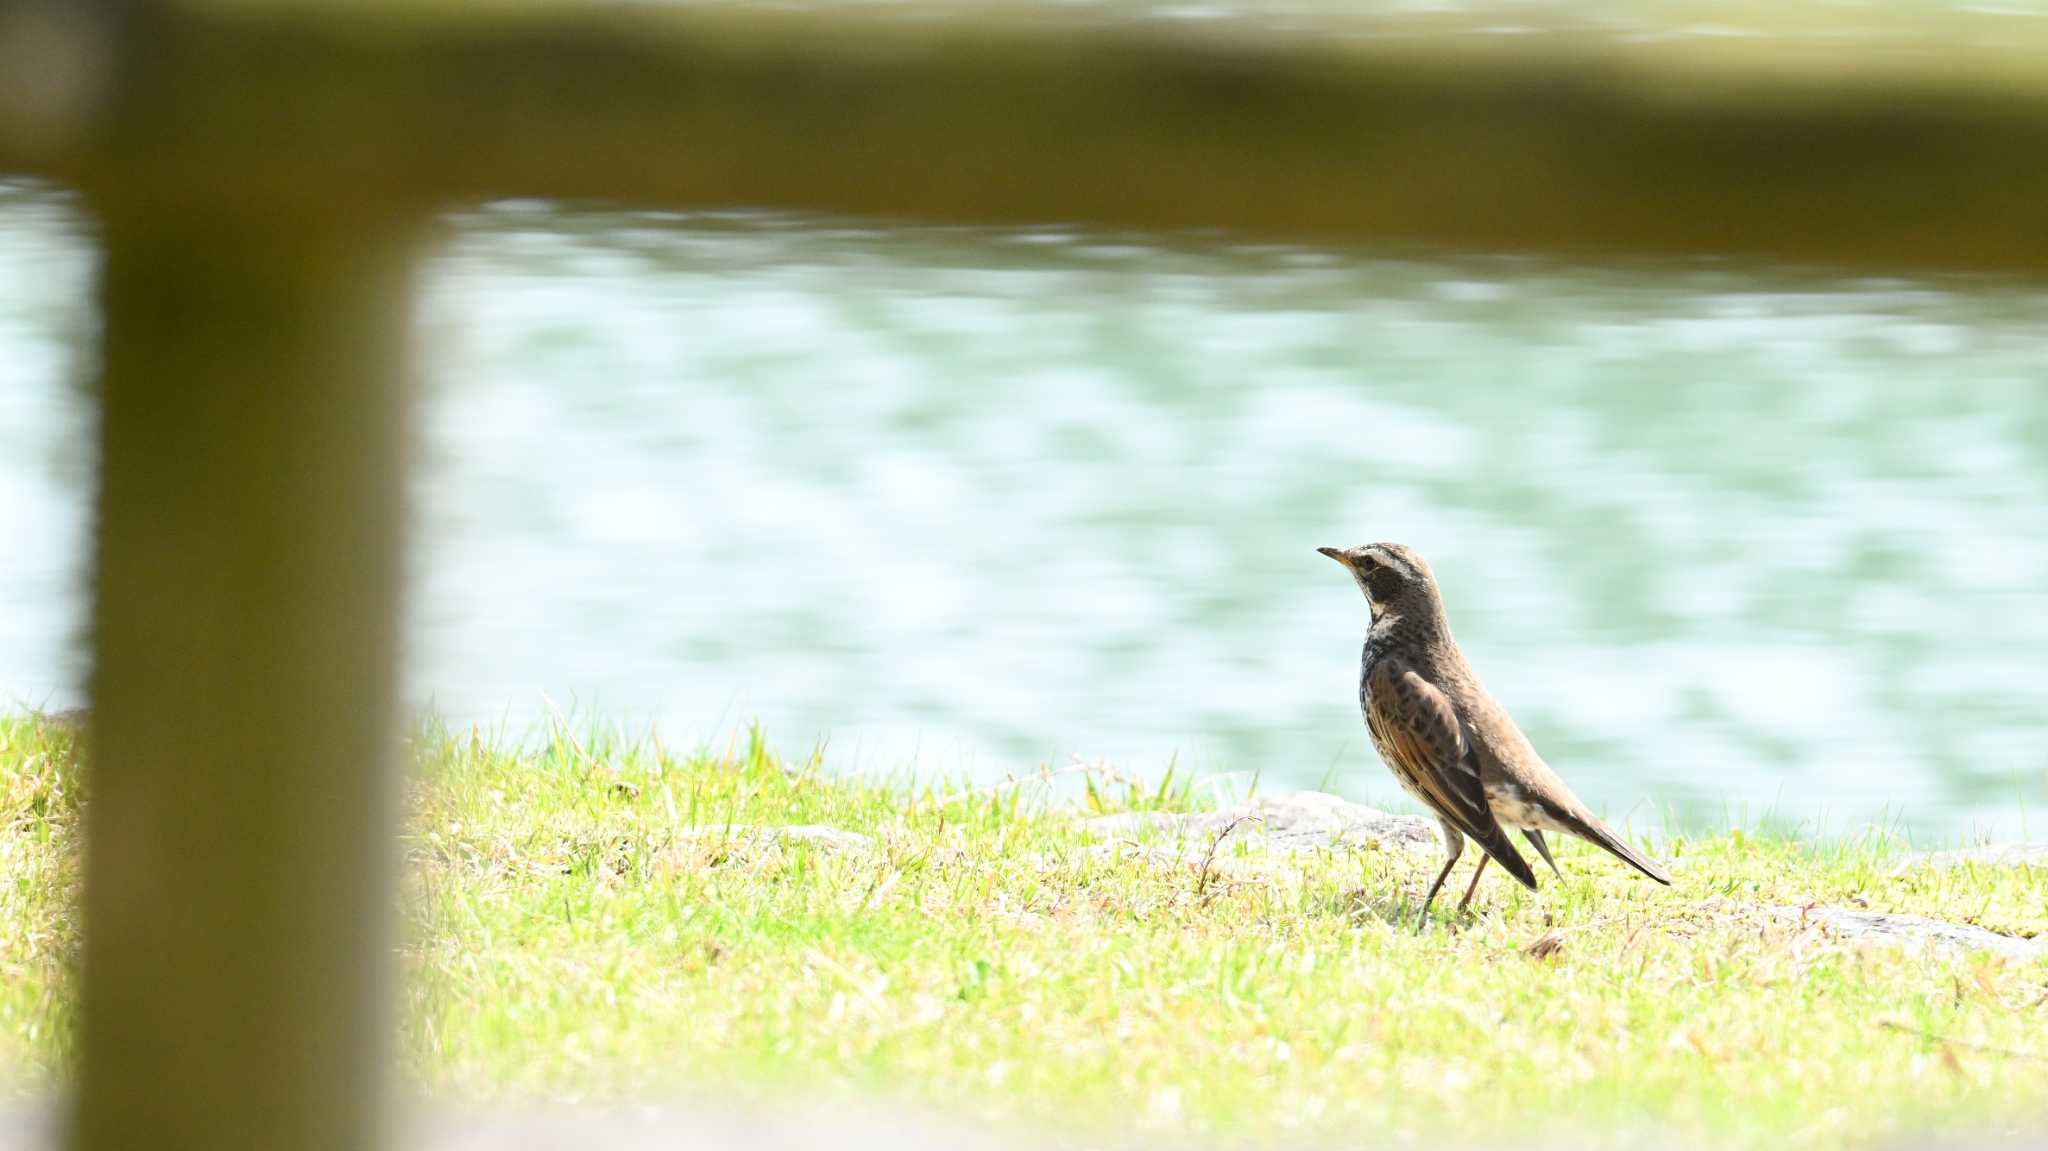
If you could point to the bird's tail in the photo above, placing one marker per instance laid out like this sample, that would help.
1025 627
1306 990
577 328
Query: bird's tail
1594 832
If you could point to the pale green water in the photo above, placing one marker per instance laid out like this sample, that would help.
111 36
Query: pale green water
1726 544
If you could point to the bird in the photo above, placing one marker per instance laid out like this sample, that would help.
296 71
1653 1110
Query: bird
1447 741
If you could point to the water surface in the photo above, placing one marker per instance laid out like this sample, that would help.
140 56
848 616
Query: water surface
1729 544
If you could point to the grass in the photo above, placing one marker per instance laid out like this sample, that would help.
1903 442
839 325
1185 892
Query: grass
590 917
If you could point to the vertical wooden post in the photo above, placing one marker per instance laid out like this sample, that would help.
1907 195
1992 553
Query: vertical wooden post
238 883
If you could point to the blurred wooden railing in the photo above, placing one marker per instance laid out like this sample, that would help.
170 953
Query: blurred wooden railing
261 172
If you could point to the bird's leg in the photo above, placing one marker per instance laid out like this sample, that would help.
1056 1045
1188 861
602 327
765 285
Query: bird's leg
1457 848
1474 885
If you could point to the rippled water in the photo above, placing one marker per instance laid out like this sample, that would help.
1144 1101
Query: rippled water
1729 546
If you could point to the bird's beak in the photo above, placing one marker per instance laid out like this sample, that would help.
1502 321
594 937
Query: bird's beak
1334 554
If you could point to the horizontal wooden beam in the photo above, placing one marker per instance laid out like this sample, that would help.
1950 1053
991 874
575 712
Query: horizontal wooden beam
1917 144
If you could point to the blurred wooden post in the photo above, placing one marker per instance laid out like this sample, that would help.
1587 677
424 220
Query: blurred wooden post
238 888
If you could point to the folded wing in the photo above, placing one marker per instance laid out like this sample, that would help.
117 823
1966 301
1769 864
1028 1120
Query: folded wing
1419 732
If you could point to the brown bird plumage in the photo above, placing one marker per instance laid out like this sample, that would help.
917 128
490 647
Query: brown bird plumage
1446 740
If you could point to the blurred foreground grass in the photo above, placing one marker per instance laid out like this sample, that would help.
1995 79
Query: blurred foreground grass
587 916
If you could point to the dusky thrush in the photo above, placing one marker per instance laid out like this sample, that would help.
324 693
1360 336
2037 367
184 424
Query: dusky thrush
1445 739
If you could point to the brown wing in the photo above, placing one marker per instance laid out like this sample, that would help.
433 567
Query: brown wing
1423 741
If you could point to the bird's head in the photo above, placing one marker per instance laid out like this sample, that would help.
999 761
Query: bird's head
1392 577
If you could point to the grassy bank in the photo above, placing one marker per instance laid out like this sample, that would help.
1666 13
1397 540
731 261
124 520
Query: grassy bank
589 918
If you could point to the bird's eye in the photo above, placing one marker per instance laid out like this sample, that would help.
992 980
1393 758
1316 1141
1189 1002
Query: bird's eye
1367 564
